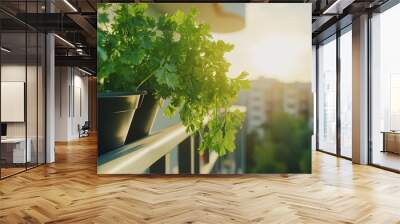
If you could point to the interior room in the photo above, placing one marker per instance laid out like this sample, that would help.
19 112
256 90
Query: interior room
22 99
25 101
72 103
49 129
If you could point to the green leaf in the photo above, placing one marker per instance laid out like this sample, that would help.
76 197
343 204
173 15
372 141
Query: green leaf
147 43
174 57
167 76
102 53
136 57
103 18
169 111
178 17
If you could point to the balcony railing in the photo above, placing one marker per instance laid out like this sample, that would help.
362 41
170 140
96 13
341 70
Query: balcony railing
151 154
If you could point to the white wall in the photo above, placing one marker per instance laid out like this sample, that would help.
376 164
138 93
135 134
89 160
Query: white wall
12 73
62 81
71 102
33 126
16 73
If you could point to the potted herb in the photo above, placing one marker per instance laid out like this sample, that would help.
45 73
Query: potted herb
118 98
116 111
172 57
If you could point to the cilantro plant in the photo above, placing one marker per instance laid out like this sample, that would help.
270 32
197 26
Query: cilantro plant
172 57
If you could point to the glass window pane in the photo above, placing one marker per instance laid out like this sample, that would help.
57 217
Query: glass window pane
13 86
346 94
327 97
23 90
31 97
41 98
386 89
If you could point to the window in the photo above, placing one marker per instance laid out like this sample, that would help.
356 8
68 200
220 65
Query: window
385 89
346 94
394 102
22 76
256 118
327 96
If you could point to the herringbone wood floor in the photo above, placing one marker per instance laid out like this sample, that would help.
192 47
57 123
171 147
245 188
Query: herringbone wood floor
69 191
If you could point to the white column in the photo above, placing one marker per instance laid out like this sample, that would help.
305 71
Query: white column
50 94
360 90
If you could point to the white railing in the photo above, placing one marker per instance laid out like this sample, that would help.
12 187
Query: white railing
139 156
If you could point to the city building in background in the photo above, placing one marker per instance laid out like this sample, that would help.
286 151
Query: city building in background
267 96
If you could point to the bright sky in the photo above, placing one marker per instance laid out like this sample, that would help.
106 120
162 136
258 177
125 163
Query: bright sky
276 42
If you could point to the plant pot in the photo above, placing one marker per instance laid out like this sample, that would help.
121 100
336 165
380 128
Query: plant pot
144 118
115 114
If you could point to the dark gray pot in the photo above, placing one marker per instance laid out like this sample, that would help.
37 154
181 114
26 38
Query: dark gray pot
115 114
143 119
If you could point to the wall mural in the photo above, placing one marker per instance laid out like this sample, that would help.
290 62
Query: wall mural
204 88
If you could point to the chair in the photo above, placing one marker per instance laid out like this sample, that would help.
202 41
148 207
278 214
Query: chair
84 130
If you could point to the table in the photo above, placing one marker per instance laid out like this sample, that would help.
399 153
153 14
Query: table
391 141
13 150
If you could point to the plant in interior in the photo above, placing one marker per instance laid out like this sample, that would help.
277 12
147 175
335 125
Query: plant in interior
172 57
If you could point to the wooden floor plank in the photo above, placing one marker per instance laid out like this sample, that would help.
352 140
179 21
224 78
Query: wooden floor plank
69 191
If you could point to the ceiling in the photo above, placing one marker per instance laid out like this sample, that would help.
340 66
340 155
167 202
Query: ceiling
74 21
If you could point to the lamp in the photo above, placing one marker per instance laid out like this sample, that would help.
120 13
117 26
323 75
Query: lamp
84 71
70 5
338 6
5 50
64 40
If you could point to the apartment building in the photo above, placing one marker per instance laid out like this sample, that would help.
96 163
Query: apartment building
268 96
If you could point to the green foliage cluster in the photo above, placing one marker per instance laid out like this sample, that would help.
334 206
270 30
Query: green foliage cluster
172 57
284 146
